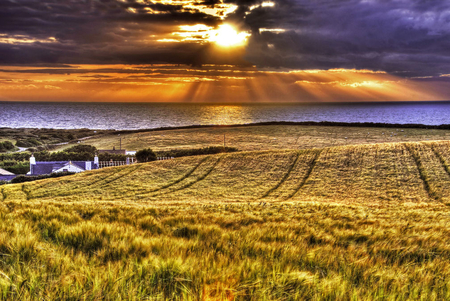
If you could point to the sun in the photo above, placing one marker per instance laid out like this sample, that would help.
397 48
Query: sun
227 36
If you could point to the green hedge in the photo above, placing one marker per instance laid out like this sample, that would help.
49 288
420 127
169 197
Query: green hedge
22 156
77 153
30 142
196 151
22 179
16 167
6 146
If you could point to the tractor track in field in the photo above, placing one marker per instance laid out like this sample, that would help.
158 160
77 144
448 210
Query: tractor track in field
99 180
305 178
441 158
121 176
422 172
114 177
288 173
26 191
199 179
185 176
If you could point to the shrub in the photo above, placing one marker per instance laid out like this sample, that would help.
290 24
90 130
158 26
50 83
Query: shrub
18 168
30 142
22 156
22 179
66 156
75 153
145 155
81 148
197 151
114 157
6 146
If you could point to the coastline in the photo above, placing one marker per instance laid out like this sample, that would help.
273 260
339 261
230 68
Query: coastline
293 123
285 123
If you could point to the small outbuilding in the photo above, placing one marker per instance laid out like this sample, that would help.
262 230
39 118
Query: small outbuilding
6 175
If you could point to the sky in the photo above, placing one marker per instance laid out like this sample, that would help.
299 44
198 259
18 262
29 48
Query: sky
224 50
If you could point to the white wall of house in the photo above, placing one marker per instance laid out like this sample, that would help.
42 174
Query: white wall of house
70 168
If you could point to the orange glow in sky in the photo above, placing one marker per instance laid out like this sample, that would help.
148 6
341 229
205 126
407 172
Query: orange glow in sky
210 83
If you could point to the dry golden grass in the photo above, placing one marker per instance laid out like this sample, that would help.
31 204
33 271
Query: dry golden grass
252 138
362 222
364 174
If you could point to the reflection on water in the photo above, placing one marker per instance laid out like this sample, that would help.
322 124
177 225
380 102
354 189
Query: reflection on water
155 115
226 114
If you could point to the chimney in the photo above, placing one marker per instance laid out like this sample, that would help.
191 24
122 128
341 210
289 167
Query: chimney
32 163
96 165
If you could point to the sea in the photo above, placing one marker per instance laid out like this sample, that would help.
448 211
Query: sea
134 116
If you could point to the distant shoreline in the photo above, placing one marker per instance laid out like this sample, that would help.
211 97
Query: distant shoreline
294 123
286 123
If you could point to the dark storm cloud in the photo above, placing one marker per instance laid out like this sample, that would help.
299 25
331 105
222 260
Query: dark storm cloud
93 32
410 38
405 37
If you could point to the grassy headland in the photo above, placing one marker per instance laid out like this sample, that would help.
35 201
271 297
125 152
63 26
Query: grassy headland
365 222
26 137
253 137
266 137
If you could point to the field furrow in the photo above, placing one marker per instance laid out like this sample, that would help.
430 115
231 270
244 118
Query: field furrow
423 174
370 173
272 191
433 169
132 188
145 178
301 175
14 193
441 151
84 181
199 175
239 177
104 183
162 175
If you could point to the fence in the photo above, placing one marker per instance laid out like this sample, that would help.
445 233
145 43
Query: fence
165 158
102 164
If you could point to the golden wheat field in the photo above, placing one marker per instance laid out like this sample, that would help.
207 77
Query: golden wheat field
264 137
356 222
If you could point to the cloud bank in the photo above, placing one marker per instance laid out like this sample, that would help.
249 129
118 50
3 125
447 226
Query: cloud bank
164 50
409 38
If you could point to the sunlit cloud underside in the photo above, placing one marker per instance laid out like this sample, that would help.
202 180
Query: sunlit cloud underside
211 83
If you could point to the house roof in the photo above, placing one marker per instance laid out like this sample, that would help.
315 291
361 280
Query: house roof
5 172
69 167
42 168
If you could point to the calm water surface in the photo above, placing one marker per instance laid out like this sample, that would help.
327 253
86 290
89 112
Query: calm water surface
155 115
